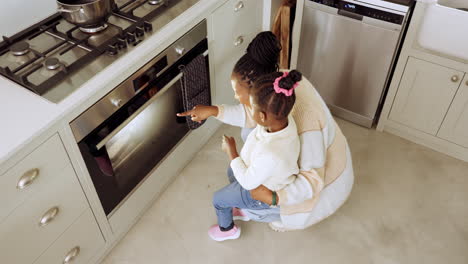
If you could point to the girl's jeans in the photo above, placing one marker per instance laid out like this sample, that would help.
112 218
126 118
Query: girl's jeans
234 195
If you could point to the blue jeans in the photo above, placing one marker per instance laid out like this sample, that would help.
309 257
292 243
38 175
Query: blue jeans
231 196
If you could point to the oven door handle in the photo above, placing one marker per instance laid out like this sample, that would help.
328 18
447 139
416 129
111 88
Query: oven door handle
103 142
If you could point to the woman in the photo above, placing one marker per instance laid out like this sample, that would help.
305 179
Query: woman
326 174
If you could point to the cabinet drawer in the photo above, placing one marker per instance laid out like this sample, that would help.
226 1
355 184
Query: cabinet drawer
80 242
231 33
39 168
22 238
229 25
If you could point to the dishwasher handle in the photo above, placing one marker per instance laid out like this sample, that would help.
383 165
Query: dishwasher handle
352 15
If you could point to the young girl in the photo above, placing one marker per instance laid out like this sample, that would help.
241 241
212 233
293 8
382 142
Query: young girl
269 156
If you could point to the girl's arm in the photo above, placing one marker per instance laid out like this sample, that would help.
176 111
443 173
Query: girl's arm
311 160
252 176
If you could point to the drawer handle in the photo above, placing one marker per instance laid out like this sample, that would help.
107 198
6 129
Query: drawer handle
49 216
239 41
239 6
71 255
455 78
27 178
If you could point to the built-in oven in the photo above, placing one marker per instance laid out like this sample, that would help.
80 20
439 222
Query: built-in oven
126 134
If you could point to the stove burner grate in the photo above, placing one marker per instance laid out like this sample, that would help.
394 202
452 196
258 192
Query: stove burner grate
95 29
66 40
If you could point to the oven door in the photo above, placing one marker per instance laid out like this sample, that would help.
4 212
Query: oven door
127 134
130 144
146 139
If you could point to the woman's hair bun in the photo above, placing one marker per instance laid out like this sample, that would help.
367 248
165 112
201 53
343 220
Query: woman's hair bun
264 49
289 81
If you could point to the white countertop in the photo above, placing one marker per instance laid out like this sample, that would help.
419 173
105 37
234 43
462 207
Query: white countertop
25 115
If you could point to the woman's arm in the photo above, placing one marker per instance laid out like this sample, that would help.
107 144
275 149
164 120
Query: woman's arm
263 194
235 115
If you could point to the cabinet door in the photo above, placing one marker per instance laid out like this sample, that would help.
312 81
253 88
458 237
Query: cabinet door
455 125
424 95
234 25
37 223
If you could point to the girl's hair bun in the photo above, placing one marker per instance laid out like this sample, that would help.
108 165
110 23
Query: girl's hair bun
289 81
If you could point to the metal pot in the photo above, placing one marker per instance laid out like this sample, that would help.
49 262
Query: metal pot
85 13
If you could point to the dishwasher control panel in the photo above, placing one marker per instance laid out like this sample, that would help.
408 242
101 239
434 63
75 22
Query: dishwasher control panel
359 11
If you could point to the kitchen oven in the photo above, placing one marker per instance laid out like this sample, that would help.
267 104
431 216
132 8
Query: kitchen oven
127 133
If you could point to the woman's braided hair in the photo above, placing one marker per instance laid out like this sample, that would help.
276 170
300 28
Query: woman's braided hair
261 57
268 100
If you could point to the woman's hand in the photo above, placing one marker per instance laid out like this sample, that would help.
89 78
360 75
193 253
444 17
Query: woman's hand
263 194
229 146
201 112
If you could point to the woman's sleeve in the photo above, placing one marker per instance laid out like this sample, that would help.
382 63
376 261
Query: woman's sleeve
235 115
311 164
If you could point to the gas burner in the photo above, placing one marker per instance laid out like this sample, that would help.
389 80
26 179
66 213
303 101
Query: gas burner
20 48
155 2
52 64
92 30
98 38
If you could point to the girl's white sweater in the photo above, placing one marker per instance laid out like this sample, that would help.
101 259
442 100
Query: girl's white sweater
268 159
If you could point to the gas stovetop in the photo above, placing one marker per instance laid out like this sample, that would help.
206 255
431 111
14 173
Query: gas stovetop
53 58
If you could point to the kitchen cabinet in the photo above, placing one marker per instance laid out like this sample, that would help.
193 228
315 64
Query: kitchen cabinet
234 25
424 95
455 125
77 245
427 98
34 174
42 198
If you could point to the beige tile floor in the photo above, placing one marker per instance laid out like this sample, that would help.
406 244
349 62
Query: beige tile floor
409 205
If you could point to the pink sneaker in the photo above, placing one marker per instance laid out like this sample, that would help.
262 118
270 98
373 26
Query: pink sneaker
238 214
216 234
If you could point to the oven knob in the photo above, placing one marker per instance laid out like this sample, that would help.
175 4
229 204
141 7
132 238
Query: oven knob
147 26
130 37
139 32
116 102
121 43
112 50
179 50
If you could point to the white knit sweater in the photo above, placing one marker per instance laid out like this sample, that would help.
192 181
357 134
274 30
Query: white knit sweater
268 159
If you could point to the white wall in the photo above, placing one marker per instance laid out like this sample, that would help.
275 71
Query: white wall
16 15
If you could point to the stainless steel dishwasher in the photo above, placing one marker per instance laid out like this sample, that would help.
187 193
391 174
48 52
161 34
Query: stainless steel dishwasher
346 51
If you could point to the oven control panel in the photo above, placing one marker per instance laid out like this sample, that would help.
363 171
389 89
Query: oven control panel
363 11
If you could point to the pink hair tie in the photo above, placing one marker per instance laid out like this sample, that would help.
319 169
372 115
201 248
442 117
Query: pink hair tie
278 89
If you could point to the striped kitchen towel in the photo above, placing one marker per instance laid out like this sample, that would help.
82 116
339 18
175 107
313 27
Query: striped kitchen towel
195 86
